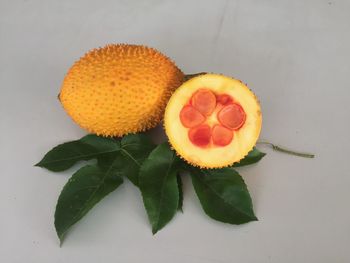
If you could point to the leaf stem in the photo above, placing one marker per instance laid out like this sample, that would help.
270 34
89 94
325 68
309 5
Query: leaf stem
189 76
287 151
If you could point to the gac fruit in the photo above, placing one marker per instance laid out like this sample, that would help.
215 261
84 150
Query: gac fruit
213 121
119 89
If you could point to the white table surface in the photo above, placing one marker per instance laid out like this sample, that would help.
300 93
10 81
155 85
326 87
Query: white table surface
295 55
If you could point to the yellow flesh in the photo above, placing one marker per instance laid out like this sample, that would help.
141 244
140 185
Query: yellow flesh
244 139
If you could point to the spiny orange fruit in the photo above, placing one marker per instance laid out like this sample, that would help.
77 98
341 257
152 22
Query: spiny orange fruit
119 89
212 120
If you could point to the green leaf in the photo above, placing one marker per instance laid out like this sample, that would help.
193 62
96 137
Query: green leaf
223 195
126 154
67 154
83 190
181 195
134 149
159 186
253 156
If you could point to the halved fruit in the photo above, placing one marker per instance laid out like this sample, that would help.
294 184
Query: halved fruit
213 121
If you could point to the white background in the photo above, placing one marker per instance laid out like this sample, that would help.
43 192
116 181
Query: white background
293 54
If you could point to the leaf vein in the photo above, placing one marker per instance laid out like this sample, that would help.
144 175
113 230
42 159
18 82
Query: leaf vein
162 188
130 156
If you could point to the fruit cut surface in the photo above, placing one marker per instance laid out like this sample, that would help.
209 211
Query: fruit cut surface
206 107
213 120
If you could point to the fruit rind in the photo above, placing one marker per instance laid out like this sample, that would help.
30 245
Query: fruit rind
119 89
244 139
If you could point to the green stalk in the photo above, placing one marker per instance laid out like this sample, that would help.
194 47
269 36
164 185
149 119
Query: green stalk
287 151
189 76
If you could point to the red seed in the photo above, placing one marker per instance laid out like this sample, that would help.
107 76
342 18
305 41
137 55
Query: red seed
200 136
190 117
204 101
224 99
221 135
232 116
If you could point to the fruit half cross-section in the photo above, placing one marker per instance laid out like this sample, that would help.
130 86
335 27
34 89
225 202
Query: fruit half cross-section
119 89
213 121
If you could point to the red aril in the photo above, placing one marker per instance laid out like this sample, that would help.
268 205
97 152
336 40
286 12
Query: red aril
200 135
190 117
232 116
221 135
204 101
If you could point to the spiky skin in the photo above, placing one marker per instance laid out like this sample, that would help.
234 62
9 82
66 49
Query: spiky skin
119 89
244 138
